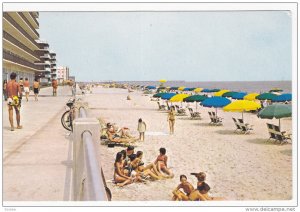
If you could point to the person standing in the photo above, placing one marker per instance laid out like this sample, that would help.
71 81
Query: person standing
171 119
142 129
36 89
26 88
14 94
54 86
4 89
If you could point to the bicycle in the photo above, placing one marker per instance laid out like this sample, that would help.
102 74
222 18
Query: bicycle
68 116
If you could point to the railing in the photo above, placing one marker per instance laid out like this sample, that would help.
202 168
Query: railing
14 58
29 24
88 181
11 39
16 25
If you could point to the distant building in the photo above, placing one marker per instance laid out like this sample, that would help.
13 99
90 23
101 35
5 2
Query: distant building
19 44
62 74
53 65
44 63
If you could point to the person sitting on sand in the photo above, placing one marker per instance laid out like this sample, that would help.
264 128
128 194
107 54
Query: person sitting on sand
201 194
138 166
187 190
161 163
201 177
120 177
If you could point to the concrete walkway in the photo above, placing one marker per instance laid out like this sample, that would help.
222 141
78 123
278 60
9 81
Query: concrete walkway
37 159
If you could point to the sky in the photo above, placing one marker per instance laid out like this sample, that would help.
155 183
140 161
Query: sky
190 46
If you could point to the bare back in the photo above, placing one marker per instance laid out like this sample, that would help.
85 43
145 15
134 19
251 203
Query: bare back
13 89
26 83
36 84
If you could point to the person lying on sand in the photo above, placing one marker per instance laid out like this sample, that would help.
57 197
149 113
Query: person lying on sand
187 190
121 136
161 163
201 194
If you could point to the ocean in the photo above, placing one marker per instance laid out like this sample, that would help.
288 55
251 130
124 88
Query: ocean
239 86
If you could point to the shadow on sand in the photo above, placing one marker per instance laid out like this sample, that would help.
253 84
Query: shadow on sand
262 141
203 124
287 152
227 132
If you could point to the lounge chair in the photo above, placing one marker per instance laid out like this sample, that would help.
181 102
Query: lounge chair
281 136
180 111
194 115
246 128
211 117
238 127
214 120
161 107
168 106
271 131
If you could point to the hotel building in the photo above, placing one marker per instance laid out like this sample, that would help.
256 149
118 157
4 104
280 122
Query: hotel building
19 44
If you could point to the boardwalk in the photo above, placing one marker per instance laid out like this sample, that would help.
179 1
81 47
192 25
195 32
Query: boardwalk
36 159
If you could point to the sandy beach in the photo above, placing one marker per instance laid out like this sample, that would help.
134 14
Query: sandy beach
238 167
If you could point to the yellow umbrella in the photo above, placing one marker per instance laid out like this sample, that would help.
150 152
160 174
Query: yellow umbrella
178 97
241 106
251 96
198 90
221 92
162 80
181 88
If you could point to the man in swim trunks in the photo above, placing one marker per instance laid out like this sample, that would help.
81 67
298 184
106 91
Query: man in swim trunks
14 95
54 86
26 88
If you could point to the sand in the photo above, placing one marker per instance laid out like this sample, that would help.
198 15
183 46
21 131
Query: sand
238 167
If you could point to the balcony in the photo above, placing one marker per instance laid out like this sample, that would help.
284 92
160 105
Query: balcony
45 56
15 59
29 24
18 27
14 41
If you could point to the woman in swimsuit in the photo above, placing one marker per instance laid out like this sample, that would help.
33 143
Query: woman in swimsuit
119 175
161 163
171 119
187 188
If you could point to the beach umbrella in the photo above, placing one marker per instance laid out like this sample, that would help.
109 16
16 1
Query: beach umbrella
283 98
181 88
174 88
239 95
168 96
277 111
229 94
221 92
178 97
206 90
151 87
158 95
192 89
195 98
198 90
215 90
215 102
242 106
186 89
264 96
275 90
162 80
251 96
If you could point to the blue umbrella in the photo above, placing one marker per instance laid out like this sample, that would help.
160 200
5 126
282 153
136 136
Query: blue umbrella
215 102
168 96
283 98
151 87
239 95
174 88
206 90
186 89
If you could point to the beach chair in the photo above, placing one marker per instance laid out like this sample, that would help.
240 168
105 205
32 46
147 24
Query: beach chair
281 136
180 111
238 127
161 107
246 128
271 131
217 120
168 106
194 115
211 118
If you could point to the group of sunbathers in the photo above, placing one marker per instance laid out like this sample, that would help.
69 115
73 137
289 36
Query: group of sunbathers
129 167
188 192
119 135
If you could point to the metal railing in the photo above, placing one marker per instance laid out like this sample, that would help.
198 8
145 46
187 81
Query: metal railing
88 180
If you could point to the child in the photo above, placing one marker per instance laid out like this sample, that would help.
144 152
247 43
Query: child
161 163
141 128
186 187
